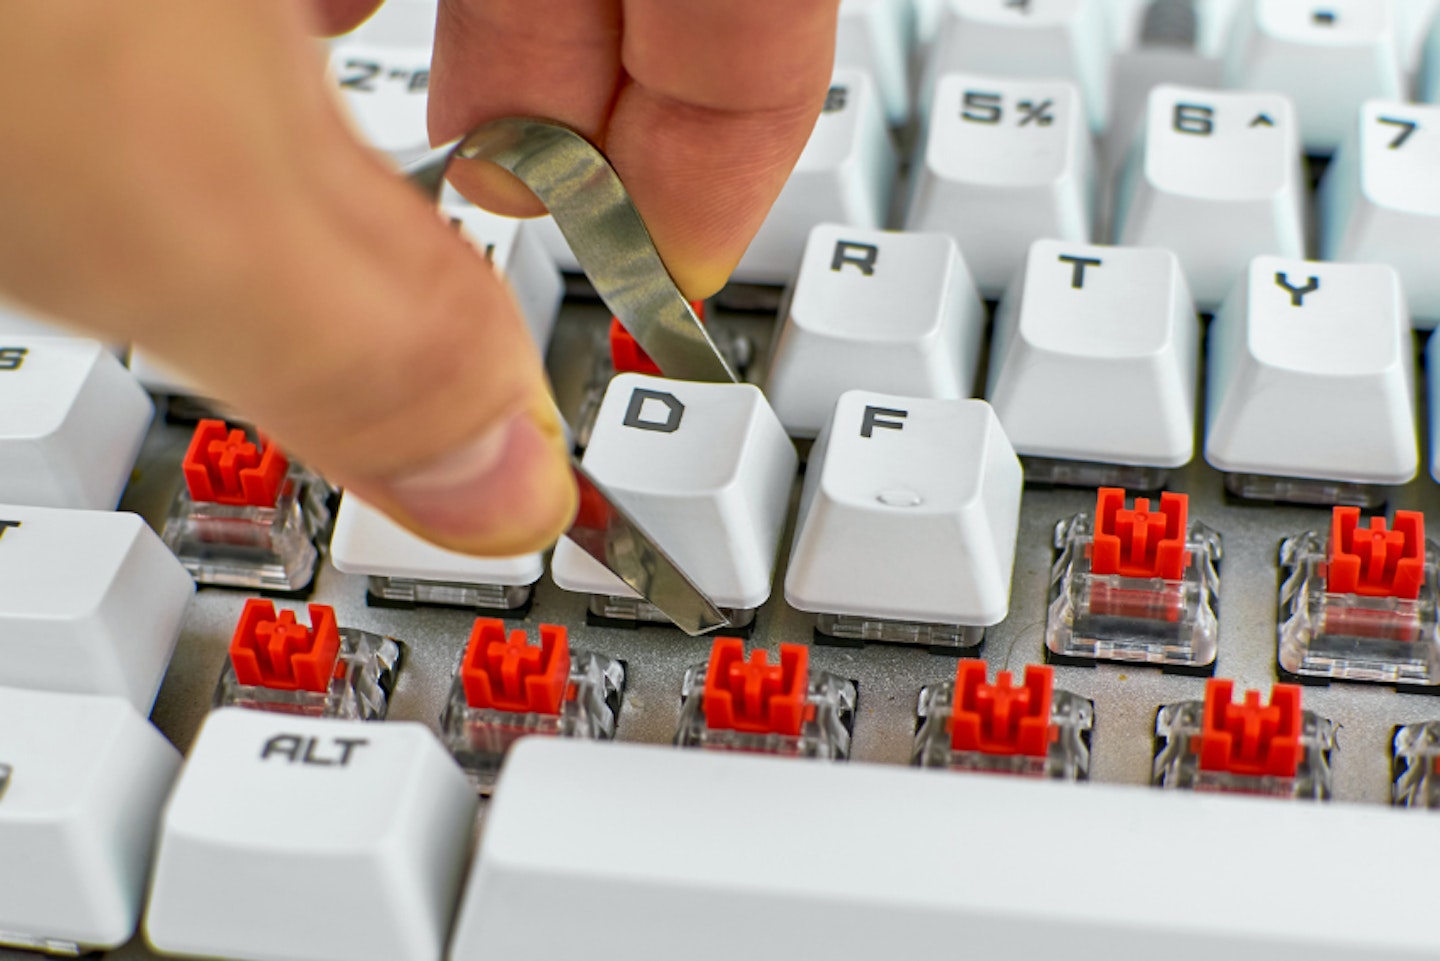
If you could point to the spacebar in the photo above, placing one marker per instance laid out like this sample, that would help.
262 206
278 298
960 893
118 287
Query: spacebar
611 852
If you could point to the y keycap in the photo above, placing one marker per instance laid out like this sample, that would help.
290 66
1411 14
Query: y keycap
300 839
1310 368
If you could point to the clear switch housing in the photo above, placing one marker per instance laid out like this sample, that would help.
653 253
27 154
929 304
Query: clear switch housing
1034 730
732 703
507 687
247 516
1276 749
1358 603
1134 584
277 664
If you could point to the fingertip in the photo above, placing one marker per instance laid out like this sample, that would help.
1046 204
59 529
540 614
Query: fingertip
333 17
507 492
497 190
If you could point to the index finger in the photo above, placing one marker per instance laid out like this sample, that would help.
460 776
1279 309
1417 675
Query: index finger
703 106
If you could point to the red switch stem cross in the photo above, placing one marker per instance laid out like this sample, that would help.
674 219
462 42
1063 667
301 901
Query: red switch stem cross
1373 561
509 673
753 696
626 354
281 654
1138 542
999 718
222 466
1250 738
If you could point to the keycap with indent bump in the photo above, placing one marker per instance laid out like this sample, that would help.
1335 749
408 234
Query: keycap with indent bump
910 512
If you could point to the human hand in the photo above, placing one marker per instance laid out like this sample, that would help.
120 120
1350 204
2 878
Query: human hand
181 178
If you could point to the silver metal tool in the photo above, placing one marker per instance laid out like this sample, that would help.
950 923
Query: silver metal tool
589 203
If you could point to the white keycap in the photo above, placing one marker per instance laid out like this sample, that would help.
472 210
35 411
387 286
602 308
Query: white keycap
305 839
91 602
890 312
1310 375
1216 178
1380 200
386 89
1064 39
1327 57
668 847
368 542
1432 371
71 423
1413 19
518 253
909 512
1006 162
1096 356
845 175
706 469
873 35
82 781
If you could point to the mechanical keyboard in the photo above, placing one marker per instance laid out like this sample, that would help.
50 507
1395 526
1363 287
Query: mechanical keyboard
1057 461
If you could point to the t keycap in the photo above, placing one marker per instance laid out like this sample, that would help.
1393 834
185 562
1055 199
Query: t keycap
892 312
1096 357
281 826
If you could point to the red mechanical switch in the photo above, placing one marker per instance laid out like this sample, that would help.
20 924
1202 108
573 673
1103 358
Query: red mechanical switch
1138 542
1248 738
222 466
510 673
1373 561
627 356
280 654
998 718
753 696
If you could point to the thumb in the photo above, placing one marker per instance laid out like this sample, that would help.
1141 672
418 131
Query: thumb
235 228
388 354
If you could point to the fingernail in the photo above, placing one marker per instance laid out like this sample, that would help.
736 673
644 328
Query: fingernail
506 492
